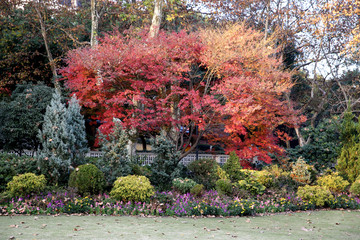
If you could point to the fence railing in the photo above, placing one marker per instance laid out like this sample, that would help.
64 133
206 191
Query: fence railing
147 157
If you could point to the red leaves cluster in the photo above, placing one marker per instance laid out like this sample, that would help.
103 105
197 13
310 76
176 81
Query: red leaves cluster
149 84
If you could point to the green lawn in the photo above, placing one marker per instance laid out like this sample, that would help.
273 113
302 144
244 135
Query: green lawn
306 225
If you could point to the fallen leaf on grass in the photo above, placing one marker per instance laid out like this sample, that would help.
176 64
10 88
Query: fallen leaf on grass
337 223
305 229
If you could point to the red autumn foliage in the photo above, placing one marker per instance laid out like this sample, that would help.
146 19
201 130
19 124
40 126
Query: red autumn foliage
176 81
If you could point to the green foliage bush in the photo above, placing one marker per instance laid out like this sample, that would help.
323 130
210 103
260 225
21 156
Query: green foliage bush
132 188
355 187
87 179
303 173
197 190
232 167
115 162
318 195
183 185
224 186
333 182
204 172
165 167
324 148
12 165
25 184
281 179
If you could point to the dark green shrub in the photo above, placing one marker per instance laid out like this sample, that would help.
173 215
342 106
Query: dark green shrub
197 190
224 186
317 195
87 179
183 185
12 165
355 187
204 172
232 167
22 117
132 188
25 184
324 148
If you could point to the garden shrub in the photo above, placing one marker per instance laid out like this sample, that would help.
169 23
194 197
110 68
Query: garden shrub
232 167
224 186
25 184
324 148
197 190
87 179
183 185
115 162
264 177
12 165
348 163
355 187
132 188
221 173
318 195
333 181
165 166
251 185
204 172
303 173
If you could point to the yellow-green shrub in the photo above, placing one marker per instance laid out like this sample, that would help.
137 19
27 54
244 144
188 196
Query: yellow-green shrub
264 177
220 173
25 184
315 194
87 179
334 182
355 187
132 188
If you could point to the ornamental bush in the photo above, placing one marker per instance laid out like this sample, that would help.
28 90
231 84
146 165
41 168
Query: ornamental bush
224 186
132 188
183 185
12 165
303 173
232 167
355 187
87 179
334 182
204 172
197 190
318 195
25 184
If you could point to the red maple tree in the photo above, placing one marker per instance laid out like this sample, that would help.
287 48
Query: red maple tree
187 85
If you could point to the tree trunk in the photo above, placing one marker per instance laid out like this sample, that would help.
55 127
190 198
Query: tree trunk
156 21
48 51
94 24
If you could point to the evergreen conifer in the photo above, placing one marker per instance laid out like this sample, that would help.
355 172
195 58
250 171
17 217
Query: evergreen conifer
54 158
76 132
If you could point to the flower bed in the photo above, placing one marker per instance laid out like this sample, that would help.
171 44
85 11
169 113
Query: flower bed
166 204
